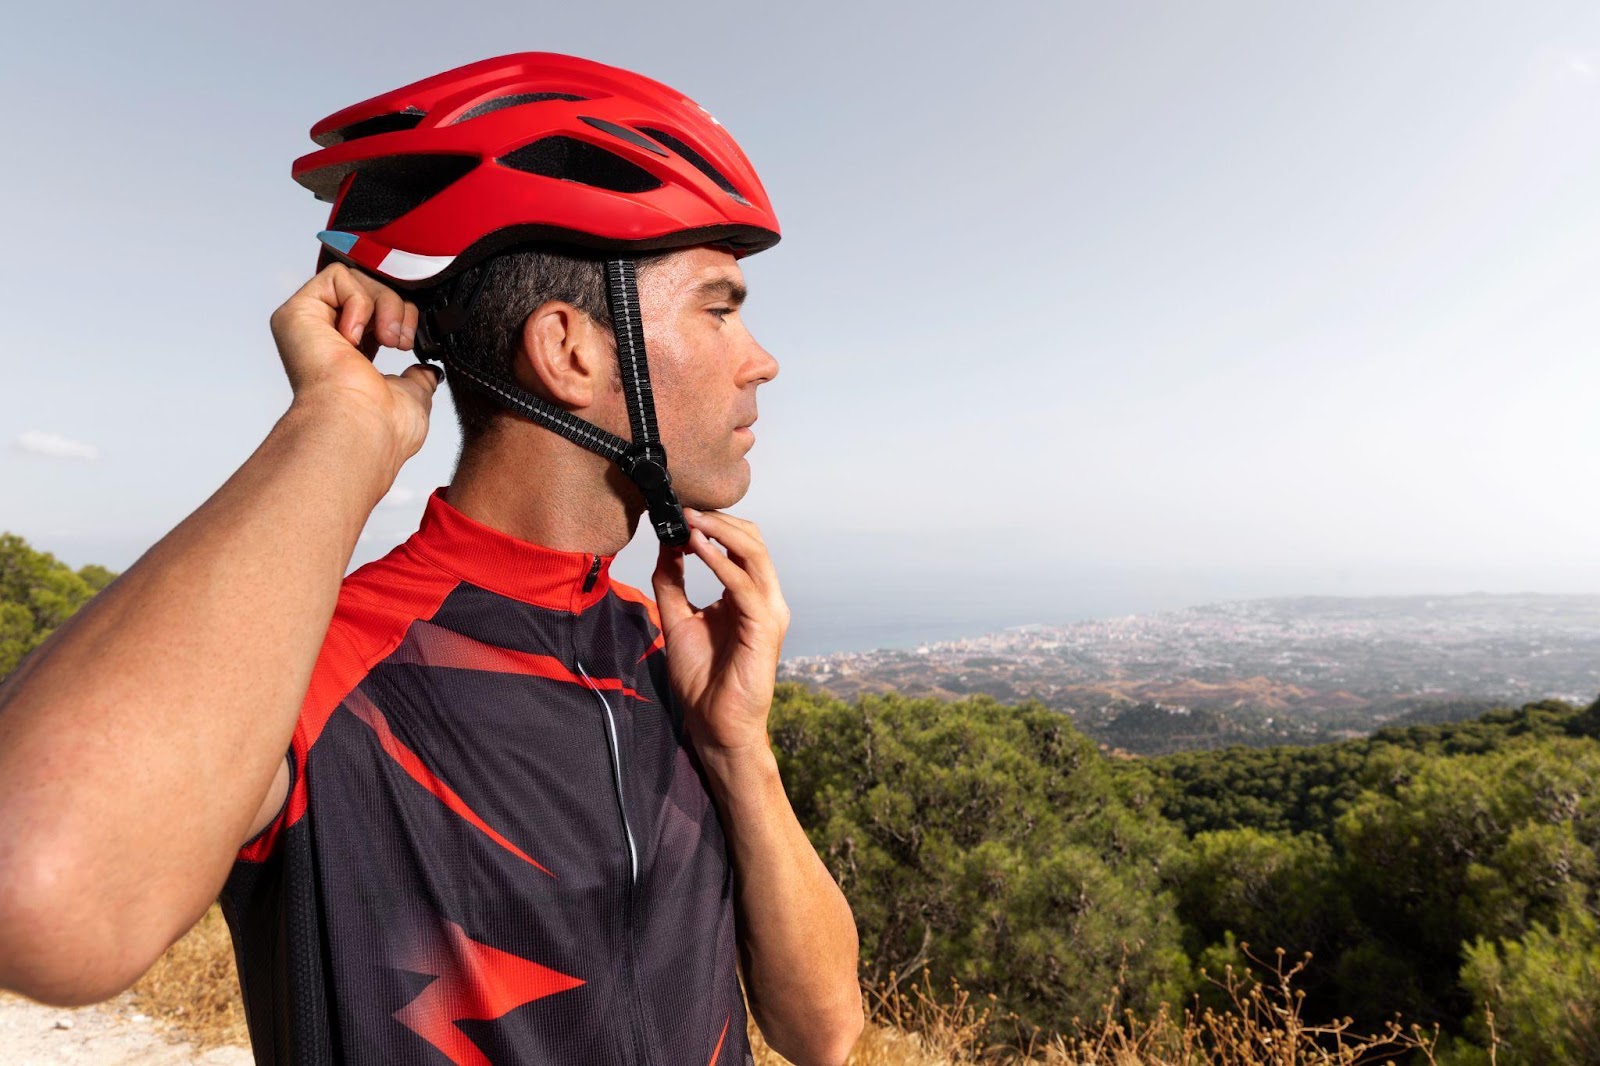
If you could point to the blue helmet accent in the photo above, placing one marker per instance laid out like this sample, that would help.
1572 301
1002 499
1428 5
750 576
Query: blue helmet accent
338 240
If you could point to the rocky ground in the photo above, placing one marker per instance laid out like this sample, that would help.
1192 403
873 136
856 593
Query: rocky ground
110 1034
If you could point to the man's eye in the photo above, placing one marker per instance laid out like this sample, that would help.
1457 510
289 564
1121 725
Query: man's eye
720 311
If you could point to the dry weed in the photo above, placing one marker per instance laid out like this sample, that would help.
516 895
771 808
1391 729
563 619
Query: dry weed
194 987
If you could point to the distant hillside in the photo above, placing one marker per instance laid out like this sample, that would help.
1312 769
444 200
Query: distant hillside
1440 712
1259 672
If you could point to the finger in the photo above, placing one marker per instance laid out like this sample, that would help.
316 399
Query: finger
672 600
314 297
326 291
422 381
744 544
388 317
746 596
355 311
740 523
408 327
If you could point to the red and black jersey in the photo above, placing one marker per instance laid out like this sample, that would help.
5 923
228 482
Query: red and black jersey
498 846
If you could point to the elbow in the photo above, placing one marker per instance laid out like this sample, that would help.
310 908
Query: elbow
829 1038
850 1030
843 1041
50 950
833 1047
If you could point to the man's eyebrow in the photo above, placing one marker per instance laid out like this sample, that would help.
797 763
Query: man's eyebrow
725 288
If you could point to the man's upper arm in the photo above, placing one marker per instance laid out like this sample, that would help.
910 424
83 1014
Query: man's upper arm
277 795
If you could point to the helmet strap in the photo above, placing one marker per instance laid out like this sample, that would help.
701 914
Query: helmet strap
644 459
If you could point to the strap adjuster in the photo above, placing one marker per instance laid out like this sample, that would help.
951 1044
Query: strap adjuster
647 468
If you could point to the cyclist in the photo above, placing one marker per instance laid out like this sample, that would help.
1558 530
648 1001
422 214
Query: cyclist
477 802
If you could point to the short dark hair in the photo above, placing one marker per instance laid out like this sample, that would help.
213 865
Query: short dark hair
516 283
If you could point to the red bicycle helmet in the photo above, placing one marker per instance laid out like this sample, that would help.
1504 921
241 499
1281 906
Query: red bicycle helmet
429 179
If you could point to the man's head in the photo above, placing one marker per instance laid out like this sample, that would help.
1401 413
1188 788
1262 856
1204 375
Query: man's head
543 317
432 180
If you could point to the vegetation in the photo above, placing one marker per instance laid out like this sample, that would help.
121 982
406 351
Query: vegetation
988 842
1430 870
1021 897
1305 789
37 594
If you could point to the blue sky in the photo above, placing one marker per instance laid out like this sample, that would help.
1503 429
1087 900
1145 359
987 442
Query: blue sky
1082 308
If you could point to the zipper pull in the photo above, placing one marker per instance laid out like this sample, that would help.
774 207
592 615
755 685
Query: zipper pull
594 575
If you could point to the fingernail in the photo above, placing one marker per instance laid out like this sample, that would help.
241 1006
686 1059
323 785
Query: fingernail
407 333
690 512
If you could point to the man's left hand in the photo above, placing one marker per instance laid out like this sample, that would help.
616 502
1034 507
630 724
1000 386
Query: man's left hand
723 658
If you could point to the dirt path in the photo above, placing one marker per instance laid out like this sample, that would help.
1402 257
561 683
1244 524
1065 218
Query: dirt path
105 1035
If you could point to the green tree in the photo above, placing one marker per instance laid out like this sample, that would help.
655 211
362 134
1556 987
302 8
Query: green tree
1305 789
37 594
1443 851
1270 890
991 844
1543 989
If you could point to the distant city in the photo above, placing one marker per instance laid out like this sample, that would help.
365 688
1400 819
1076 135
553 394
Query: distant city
1291 670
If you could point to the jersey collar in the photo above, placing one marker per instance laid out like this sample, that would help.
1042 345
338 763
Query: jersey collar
483 556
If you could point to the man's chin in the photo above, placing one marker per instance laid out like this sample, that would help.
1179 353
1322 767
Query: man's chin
718 495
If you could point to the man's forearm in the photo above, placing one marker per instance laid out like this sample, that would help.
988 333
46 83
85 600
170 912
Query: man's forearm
797 937
139 740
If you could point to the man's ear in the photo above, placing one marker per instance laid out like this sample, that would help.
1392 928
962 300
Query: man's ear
564 356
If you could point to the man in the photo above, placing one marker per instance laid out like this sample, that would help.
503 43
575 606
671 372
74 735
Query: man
524 817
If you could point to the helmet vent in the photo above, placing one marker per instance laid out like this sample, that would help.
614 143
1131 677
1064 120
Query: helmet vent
696 160
490 106
633 137
368 127
570 159
384 189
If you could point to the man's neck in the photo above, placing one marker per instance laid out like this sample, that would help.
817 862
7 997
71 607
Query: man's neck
530 484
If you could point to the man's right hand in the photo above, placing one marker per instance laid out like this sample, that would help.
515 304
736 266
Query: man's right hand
327 335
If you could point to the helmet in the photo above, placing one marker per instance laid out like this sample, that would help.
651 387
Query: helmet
431 180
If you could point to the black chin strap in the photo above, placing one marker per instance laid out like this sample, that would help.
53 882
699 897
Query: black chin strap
643 459
645 462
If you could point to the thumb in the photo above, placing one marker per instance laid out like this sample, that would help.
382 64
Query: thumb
424 378
671 598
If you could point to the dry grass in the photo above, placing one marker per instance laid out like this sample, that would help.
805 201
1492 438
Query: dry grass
1262 1027
194 987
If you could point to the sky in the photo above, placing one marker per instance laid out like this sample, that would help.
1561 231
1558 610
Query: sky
1082 308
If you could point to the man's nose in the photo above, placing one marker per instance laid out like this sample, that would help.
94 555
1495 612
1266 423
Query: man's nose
760 366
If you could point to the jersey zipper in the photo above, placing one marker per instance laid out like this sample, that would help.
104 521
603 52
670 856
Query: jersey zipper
594 575
632 969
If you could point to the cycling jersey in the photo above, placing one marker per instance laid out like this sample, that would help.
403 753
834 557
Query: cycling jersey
498 846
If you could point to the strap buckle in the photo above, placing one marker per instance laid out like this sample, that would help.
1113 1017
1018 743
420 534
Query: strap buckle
647 468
